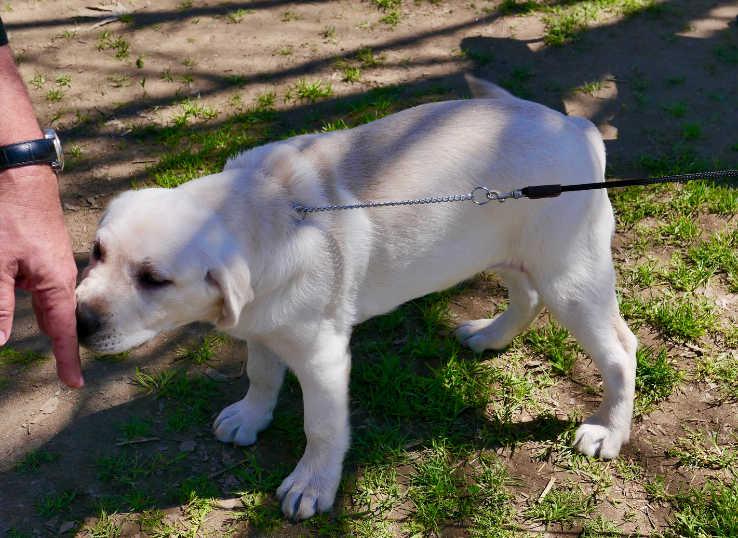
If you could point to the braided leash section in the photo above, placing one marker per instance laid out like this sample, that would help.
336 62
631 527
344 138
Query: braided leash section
680 178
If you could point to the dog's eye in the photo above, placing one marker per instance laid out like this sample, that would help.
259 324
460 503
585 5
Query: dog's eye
96 251
151 280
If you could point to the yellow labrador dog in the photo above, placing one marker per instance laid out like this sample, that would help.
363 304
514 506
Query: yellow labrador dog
231 249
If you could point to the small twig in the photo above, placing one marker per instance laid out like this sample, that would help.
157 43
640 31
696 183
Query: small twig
172 439
648 515
695 348
137 440
546 490
228 468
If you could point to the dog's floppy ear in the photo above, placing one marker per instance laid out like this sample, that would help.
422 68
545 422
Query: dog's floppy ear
481 89
233 277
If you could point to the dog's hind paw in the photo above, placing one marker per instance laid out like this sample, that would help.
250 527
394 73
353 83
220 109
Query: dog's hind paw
598 441
239 423
481 334
303 494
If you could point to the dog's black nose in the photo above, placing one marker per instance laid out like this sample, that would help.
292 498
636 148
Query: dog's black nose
87 321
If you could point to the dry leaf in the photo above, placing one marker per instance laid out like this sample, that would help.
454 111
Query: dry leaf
215 375
47 409
187 446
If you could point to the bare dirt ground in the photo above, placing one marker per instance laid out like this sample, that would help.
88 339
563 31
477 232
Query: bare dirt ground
629 74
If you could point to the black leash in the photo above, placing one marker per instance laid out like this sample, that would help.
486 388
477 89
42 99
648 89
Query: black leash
551 191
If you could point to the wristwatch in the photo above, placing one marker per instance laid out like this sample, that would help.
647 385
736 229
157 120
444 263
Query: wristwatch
45 150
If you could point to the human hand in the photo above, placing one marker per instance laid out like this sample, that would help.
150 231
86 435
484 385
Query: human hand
36 255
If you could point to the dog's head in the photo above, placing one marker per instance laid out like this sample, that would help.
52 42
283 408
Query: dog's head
161 259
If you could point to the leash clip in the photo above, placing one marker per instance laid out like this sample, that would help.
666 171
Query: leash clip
518 193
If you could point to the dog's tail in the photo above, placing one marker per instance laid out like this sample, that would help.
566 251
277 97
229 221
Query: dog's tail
481 89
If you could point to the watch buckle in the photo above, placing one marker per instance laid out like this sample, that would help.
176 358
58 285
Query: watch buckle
58 164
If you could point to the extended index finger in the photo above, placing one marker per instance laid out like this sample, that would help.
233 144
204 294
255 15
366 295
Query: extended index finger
57 306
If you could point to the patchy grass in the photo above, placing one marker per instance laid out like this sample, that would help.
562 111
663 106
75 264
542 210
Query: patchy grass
34 460
711 510
656 378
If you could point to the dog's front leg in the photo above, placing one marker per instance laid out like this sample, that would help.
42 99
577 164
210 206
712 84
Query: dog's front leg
324 378
239 423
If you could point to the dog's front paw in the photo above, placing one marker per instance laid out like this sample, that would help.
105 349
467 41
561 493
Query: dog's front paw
304 493
597 440
239 423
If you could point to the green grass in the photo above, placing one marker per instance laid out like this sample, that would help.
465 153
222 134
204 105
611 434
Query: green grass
22 359
119 80
203 352
187 78
682 317
367 58
676 109
387 4
106 526
351 74
188 397
516 81
565 504
34 460
132 469
107 40
389 384
710 510
674 81
686 276
728 54
590 88
722 369
553 342
237 16
703 450
522 7
692 130
600 527
656 378
266 99
436 491
134 427
239 79
302 90
392 19
566 20
53 503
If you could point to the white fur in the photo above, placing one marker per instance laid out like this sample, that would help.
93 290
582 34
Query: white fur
237 255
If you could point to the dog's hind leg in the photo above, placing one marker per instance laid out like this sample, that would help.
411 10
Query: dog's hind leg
524 306
239 423
583 300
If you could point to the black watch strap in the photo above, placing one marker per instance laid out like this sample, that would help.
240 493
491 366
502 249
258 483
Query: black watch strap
30 152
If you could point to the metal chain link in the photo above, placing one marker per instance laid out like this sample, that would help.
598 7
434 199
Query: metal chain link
488 194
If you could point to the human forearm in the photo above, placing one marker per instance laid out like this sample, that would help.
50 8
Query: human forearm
17 118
